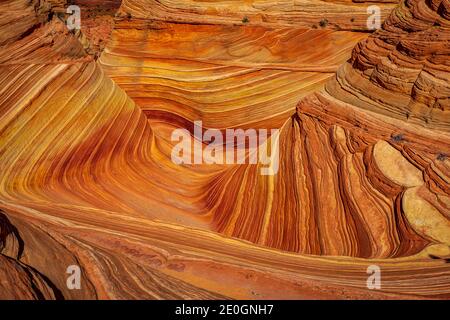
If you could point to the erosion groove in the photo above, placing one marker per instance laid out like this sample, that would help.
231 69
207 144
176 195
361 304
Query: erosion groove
87 179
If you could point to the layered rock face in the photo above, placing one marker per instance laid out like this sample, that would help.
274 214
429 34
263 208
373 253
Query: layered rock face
98 22
341 15
87 178
226 76
20 17
402 70
386 117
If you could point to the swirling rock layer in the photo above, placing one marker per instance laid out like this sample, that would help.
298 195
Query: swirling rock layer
97 23
87 179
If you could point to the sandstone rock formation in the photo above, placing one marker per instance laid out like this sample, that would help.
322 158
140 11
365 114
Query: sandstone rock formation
86 176
402 70
98 22
298 13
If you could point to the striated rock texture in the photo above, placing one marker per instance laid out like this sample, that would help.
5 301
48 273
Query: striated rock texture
389 104
403 70
19 17
341 15
226 76
86 176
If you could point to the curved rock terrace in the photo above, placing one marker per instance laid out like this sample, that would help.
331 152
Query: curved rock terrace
87 178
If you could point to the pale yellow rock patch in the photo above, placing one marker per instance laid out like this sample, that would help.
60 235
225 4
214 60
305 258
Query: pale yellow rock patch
395 166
